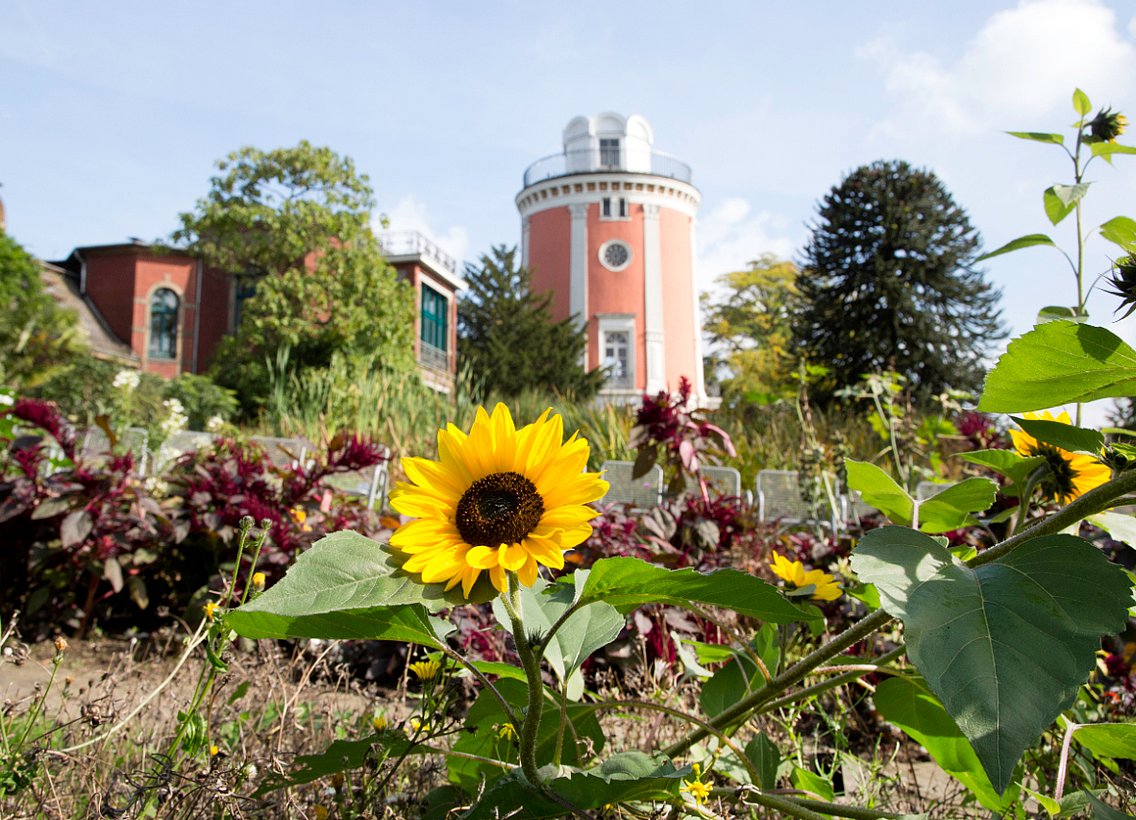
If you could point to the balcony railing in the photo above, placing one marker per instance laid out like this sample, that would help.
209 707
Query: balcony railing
589 162
433 357
412 243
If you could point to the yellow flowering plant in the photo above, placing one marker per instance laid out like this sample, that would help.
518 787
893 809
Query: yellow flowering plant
492 517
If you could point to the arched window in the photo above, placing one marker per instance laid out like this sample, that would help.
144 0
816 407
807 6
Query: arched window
163 324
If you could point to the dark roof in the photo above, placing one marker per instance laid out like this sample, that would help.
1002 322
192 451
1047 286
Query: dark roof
103 343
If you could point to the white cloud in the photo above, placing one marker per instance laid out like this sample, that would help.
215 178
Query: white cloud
729 236
409 214
1020 64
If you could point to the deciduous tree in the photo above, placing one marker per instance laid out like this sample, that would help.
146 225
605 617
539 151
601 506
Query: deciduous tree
750 326
293 225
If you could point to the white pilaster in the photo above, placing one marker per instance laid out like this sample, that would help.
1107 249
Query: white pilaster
653 309
699 376
578 268
526 230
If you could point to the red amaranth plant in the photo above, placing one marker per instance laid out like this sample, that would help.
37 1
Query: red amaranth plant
668 424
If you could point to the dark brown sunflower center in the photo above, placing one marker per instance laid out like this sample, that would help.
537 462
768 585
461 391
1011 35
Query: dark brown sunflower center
501 508
1058 483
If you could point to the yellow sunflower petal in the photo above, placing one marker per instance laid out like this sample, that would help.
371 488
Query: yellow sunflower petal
545 550
433 476
482 557
497 577
512 556
504 447
528 571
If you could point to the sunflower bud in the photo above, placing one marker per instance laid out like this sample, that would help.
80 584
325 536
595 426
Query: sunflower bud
1123 282
1106 126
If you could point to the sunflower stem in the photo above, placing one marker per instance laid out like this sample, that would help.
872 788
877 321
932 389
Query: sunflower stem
530 662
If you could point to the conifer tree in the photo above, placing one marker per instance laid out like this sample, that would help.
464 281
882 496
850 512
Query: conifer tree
889 285
508 336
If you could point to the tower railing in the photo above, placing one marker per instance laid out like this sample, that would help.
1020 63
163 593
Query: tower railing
588 161
413 243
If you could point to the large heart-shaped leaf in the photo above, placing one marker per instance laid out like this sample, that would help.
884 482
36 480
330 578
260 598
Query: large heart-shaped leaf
408 622
909 705
346 570
880 490
589 628
951 508
1057 363
1005 645
630 582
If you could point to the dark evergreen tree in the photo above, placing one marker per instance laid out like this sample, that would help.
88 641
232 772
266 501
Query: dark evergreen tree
889 284
508 336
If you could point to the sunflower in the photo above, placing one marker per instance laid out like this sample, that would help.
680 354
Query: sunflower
498 500
1070 475
824 585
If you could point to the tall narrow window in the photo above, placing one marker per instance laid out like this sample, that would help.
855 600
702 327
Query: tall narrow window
617 357
434 322
609 152
605 207
163 324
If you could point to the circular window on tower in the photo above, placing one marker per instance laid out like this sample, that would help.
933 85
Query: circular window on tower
615 255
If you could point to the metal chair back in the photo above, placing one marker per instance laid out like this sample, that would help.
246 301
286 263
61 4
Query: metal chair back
643 492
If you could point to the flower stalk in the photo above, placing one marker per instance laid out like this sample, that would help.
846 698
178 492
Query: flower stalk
530 661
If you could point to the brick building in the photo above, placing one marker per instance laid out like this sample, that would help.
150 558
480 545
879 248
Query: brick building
169 311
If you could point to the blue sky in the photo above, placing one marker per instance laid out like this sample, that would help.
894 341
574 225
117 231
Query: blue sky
112 114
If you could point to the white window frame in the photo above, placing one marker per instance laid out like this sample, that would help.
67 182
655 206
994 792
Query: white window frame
603 255
615 209
618 323
605 152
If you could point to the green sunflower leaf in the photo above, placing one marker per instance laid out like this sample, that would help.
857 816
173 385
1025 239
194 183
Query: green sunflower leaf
1029 241
622 778
589 628
1116 740
1120 231
952 507
1081 102
346 570
880 490
1060 200
408 622
1058 363
1009 463
626 583
908 704
1066 436
1038 136
1004 646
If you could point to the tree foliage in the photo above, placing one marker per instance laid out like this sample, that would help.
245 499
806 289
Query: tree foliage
750 325
37 336
508 336
295 224
267 210
888 283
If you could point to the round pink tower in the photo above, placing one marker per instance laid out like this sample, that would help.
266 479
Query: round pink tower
608 228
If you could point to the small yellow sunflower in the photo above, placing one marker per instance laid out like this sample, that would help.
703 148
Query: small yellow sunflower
698 791
825 586
498 500
426 670
1070 475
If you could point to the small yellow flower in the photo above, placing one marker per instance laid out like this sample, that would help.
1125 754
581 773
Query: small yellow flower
300 516
698 790
825 586
506 731
210 609
258 582
1069 475
379 722
426 670
214 750
320 813
420 726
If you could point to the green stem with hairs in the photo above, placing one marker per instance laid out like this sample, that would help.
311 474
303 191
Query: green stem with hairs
530 662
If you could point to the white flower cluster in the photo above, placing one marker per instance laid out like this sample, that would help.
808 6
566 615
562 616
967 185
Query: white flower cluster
215 424
176 420
127 380
6 399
